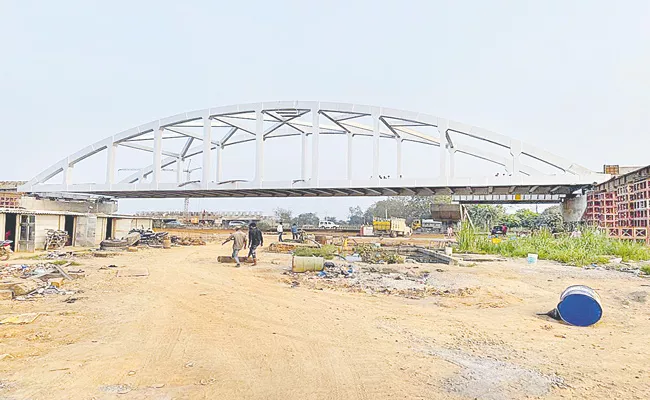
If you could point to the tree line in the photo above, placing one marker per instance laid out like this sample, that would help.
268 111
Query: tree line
483 216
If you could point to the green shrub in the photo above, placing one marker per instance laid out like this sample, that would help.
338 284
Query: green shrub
327 252
372 254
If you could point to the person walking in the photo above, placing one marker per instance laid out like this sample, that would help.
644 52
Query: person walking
255 240
280 230
239 242
294 231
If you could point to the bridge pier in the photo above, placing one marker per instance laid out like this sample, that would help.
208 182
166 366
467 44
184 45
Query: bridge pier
573 208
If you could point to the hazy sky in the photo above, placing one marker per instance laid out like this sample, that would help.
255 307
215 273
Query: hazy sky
568 76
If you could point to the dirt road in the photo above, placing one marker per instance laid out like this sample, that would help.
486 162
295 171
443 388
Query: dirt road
195 329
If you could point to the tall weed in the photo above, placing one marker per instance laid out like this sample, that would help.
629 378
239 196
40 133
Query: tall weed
592 247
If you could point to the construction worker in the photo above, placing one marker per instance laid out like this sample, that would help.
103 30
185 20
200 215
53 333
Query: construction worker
294 231
280 229
255 240
239 242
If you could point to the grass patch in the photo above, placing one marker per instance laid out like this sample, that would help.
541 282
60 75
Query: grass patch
646 269
591 247
327 252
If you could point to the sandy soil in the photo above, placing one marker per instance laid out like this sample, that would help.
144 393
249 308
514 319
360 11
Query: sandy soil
196 329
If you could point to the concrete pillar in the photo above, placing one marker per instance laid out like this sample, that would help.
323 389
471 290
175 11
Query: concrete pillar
110 163
207 151
573 208
259 147
157 155
314 145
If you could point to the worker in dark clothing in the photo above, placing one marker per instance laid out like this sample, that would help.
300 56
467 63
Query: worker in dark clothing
256 239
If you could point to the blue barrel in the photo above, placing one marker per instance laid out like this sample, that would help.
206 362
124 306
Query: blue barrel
580 306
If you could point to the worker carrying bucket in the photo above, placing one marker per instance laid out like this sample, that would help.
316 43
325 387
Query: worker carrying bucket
579 306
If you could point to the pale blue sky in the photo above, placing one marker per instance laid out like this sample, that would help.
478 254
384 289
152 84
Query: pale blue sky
568 76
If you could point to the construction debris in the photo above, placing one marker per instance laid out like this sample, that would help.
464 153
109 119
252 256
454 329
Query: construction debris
401 281
27 281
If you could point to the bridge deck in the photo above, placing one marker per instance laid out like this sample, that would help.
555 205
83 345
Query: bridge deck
551 193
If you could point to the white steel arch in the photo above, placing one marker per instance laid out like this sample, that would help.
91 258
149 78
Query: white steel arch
219 127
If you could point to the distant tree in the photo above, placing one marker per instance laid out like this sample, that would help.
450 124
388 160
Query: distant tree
356 216
392 207
527 218
486 215
512 220
282 214
410 207
441 199
552 219
306 219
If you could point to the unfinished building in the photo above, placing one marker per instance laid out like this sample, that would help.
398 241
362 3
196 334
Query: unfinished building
26 218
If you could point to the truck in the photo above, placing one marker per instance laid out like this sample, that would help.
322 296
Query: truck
393 227
426 225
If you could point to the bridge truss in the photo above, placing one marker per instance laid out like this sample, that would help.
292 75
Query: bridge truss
206 135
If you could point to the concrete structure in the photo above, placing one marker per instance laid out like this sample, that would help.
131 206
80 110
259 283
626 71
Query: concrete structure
208 134
621 206
26 218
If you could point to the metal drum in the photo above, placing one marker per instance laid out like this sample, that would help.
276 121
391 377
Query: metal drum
305 264
580 306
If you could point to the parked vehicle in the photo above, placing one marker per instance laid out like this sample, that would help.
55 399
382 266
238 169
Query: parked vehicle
499 230
174 224
393 227
426 225
328 225
5 249
234 224
146 236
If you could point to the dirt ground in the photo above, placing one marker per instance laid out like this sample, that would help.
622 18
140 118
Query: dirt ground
196 329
